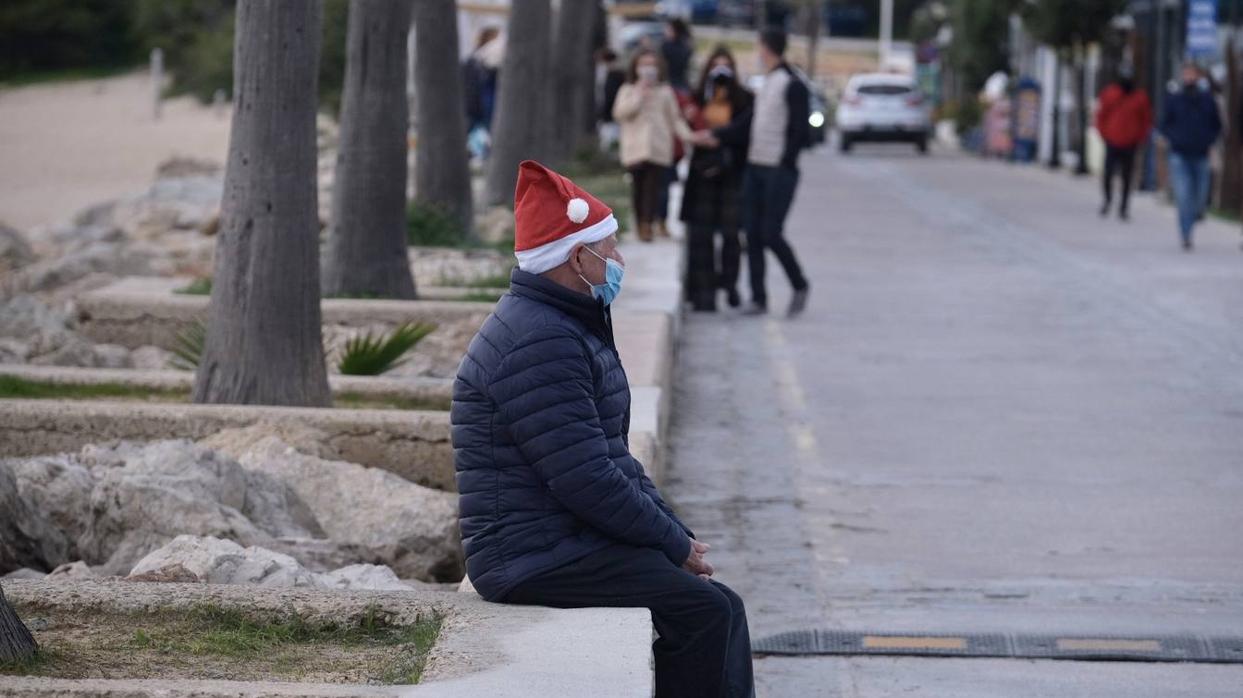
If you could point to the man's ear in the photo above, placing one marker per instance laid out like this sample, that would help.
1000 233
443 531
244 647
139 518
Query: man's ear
576 264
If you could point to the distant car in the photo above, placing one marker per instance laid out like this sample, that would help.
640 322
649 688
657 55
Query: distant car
817 104
642 32
883 107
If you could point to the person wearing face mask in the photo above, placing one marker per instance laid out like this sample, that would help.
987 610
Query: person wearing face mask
1191 125
647 110
553 508
711 201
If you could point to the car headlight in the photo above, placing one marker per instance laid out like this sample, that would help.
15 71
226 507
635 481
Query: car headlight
816 119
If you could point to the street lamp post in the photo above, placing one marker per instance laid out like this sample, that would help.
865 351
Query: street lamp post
886 31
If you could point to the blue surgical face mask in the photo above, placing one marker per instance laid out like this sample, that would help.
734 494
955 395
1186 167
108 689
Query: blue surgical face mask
613 272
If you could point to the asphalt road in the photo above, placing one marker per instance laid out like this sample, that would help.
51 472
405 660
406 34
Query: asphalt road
1000 413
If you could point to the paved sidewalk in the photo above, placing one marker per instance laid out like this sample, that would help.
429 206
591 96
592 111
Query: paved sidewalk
1000 413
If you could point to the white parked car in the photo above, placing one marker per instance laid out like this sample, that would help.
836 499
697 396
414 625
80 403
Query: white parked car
883 107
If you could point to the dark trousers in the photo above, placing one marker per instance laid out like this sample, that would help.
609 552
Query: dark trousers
705 275
1120 161
704 648
662 199
767 193
646 181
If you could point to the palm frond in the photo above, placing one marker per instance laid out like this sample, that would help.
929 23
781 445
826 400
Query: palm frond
371 355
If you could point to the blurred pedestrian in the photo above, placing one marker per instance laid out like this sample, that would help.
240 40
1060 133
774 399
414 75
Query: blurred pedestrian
778 132
1123 118
479 73
677 50
1191 124
648 113
712 198
609 79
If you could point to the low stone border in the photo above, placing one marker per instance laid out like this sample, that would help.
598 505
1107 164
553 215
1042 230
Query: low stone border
484 649
435 392
412 444
138 311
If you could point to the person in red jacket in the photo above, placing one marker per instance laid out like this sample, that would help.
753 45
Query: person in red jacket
1123 118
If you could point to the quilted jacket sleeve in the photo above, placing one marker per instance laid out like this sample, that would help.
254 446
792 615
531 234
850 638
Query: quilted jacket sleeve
650 488
543 391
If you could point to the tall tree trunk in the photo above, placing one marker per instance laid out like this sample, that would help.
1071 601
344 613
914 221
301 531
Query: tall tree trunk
814 19
367 252
442 163
521 110
1232 163
263 334
16 642
573 75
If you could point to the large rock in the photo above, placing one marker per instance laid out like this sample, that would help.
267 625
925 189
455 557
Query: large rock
81 353
411 528
215 561
147 494
15 252
40 328
27 538
72 570
363 577
95 258
58 487
300 437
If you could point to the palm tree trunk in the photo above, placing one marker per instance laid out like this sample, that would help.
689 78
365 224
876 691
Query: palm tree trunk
442 165
263 335
1081 110
367 240
573 76
521 112
16 642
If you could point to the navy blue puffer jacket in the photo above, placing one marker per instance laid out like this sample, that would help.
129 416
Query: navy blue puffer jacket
541 409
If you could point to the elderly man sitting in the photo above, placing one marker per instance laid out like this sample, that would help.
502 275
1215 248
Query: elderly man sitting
554 509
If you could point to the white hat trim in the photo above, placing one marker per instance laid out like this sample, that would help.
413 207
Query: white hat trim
538 260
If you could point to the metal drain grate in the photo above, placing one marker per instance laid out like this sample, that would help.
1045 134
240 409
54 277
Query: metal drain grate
1162 648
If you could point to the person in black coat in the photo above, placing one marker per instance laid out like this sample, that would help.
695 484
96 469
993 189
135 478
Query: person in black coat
711 199
554 509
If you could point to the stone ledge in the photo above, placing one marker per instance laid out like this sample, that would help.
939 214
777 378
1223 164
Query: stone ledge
414 445
136 311
484 649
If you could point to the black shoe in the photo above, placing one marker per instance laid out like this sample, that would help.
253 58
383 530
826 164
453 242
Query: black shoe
754 308
1187 246
1104 209
732 297
798 302
1123 215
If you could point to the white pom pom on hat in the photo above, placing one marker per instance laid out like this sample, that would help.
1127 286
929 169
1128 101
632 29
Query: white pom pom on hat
577 209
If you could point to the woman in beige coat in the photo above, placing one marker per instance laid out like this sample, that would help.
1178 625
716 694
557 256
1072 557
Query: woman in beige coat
647 111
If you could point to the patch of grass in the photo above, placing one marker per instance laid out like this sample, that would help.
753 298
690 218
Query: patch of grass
199 287
409 669
369 355
1225 215
358 401
482 296
489 282
45 658
15 387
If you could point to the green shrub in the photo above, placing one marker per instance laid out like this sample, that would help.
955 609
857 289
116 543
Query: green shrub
199 287
429 226
368 355
72 37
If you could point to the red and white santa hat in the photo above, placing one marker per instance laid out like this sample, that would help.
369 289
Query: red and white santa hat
551 216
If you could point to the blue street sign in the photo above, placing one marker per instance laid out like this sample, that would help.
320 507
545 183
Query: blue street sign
1202 29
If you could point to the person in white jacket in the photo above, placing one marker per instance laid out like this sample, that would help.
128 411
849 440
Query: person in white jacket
647 111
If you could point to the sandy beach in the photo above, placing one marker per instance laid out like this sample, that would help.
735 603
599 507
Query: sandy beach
68 145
